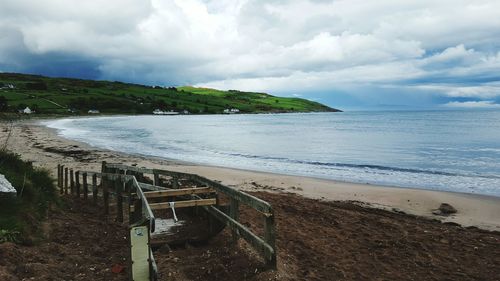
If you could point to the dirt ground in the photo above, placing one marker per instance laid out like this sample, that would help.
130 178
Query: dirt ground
343 241
316 240
79 245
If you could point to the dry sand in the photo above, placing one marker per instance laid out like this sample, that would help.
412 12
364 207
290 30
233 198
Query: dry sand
46 149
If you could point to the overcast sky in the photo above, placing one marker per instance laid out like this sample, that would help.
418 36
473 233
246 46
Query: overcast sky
347 54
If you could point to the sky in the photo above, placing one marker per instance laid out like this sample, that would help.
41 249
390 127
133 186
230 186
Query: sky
408 54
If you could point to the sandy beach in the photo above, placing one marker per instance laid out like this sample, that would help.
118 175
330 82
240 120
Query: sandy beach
41 145
326 230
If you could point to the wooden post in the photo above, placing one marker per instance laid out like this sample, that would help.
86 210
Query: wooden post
104 185
85 186
61 179
234 213
59 176
270 237
66 181
119 200
94 188
72 181
77 180
156 180
128 191
175 182
137 211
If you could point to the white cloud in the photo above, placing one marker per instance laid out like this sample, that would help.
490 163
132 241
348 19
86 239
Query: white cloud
473 104
451 47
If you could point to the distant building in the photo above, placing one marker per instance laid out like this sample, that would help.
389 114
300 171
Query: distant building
231 111
27 110
8 86
161 112
93 111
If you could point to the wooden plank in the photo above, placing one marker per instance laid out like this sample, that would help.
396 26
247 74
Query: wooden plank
256 242
146 186
234 213
270 237
183 204
140 253
252 201
177 192
147 213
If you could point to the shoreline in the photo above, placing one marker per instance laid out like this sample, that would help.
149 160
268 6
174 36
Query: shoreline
40 144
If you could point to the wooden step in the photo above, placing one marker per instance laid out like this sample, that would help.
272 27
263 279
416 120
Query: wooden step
181 204
178 192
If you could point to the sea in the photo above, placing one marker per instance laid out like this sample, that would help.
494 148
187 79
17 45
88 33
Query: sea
439 150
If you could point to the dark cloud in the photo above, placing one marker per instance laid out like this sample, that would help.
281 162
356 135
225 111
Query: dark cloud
339 52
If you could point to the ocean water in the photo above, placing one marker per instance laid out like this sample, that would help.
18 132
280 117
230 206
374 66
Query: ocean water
441 150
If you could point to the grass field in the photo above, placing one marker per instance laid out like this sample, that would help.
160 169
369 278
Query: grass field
75 96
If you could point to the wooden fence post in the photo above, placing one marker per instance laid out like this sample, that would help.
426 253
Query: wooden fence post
156 180
234 213
270 237
104 185
85 186
59 178
119 200
72 181
175 182
77 183
66 181
94 188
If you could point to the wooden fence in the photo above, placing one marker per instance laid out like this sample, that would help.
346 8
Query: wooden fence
128 182
140 218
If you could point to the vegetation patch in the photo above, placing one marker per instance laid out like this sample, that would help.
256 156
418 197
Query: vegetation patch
21 215
65 96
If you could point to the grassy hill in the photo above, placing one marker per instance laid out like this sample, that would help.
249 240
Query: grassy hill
75 96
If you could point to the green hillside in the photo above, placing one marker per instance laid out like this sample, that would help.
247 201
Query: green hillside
75 96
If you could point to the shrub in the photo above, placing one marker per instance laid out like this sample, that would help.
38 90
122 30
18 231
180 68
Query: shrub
20 216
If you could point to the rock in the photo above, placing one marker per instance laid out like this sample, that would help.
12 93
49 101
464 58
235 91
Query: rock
444 209
6 187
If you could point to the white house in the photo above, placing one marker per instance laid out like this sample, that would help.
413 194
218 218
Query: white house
231 111
27 110
161 112
93 111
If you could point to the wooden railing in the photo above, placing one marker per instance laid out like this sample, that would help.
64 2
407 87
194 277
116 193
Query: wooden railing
141 220
124 182
266 245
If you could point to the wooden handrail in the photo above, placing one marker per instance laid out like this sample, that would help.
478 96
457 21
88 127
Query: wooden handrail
266 246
